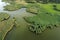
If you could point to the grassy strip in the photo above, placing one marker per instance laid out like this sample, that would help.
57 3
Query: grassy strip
6 31
13 7
6 24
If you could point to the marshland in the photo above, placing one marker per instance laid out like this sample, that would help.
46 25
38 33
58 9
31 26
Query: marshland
29 19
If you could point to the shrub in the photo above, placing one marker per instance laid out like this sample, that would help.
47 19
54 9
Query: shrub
56 7
33 8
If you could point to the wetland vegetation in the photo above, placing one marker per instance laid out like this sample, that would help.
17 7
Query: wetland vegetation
40 17
6 24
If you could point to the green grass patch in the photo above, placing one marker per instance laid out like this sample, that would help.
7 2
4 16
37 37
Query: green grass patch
49 8
43 21
45 8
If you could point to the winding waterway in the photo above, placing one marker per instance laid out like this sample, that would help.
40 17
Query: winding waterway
20 11
22 33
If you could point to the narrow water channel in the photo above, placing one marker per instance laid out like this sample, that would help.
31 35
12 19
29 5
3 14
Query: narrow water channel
22 33
20 11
